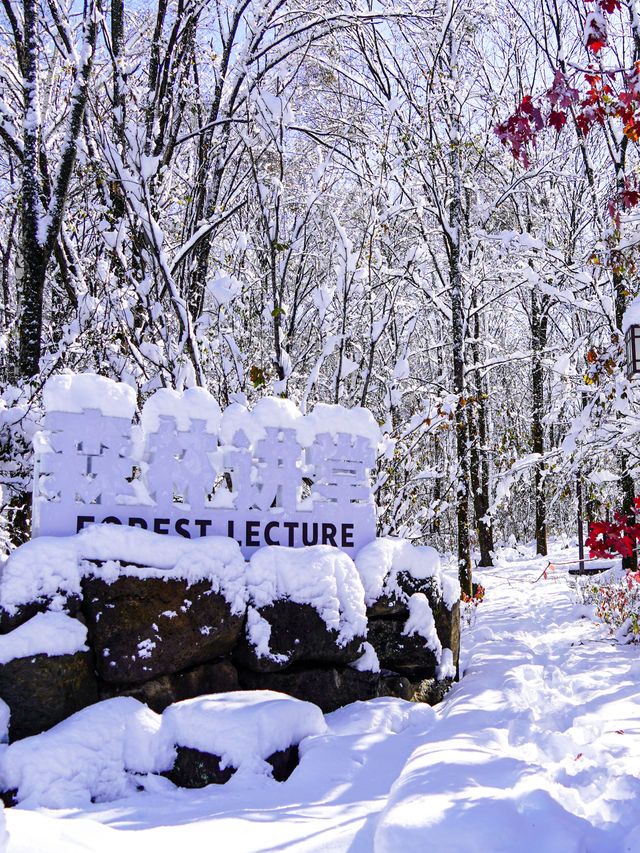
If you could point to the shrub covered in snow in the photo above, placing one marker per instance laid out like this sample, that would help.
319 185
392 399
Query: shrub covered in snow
614 597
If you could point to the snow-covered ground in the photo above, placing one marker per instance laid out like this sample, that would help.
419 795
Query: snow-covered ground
536 750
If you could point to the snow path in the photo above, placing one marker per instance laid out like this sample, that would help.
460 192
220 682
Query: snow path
536 750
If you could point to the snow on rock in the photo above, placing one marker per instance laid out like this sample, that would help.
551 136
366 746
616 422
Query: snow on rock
447 668
70 392
196 403
243 728
40 569
369 661
380 562
421 622
46 565
215 558
48 634
5 714
320 576
89 756
259 633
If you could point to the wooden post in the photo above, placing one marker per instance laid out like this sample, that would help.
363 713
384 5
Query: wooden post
580 525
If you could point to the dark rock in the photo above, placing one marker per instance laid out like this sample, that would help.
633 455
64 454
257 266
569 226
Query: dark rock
42 691
402 653
430 690
158 693
298 634
394 684
196 769
143 628
395 607
327 687
24 612
284 762
9 798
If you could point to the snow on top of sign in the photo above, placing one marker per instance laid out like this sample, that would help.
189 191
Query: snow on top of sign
44 566
335 418
321 576
421 622
379 562
243 728
284 414
196 403
268 412
86 757
631 315
45 634
71 392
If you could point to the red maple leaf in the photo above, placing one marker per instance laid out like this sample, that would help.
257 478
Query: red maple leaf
557 119
595 44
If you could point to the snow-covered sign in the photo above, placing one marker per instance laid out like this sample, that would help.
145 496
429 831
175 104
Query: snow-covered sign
266 476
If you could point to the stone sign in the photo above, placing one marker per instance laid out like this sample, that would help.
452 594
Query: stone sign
266 484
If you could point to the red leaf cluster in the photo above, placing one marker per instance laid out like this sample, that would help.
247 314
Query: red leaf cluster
617 537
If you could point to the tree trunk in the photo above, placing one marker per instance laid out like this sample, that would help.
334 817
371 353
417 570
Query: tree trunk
458 335
538 343
479 467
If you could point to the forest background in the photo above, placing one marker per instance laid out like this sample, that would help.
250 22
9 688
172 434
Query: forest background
310 199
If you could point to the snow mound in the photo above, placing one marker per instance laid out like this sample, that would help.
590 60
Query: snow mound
71 392
380 562
45 566
376 716
89 756
321 576
243 728
44 634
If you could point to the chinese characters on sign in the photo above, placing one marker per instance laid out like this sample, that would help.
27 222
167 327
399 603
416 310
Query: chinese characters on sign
187 482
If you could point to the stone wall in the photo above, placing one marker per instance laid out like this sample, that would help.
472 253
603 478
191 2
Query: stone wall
162 638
